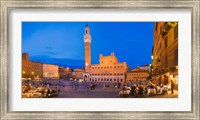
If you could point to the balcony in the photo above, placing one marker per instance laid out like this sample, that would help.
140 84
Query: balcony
166 27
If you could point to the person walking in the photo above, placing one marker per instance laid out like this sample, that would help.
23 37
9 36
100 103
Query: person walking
74 87
172 87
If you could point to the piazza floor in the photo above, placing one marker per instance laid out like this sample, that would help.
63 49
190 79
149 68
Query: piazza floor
83 90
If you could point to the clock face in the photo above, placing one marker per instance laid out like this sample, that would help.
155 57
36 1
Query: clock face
86 64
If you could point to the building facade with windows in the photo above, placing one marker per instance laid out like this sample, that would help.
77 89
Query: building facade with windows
165 53
108 70
31 70
137 74
146 67
65 73
50 71
77 74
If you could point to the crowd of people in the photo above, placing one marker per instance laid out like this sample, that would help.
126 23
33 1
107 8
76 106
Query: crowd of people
45 88
147 88
35 89
134 89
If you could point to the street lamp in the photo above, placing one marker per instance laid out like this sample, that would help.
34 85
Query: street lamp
68 73
45 74
23 74
150 69
32 73
56 75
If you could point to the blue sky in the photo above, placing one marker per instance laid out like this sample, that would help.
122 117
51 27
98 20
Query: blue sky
62 43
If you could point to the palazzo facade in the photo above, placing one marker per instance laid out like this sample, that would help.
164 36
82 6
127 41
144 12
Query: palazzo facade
109 68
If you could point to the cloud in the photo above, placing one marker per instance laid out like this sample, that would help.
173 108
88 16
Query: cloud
49 48
55 42
49 53
72 63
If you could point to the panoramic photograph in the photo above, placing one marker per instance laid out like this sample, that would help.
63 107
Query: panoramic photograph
99 60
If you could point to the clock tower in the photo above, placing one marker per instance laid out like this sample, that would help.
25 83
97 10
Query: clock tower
87 41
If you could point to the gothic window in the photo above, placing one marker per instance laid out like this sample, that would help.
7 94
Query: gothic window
156 26
166 42
176 32
176 57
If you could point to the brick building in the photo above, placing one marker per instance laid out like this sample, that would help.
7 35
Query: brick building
31 70
65 73
108 69
137 74
165 52
50 71
78 74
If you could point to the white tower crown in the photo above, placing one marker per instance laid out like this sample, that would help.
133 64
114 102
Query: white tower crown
87 36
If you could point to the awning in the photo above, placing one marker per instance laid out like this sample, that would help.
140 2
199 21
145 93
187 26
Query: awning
157 76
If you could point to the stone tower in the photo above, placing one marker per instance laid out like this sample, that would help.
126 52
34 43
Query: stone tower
87 41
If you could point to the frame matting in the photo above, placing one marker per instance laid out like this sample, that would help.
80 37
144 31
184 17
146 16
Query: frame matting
7 5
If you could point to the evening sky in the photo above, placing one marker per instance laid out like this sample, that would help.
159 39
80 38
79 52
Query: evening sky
62 43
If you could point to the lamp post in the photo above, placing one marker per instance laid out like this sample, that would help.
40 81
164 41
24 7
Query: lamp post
32 73
67 73
56 75
45 74
150 71
23 74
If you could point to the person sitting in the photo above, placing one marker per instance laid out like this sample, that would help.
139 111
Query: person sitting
140 91
133 90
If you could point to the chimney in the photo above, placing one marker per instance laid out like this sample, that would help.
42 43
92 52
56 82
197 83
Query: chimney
112 54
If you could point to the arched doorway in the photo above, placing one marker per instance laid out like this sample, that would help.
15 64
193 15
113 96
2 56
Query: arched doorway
86 77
